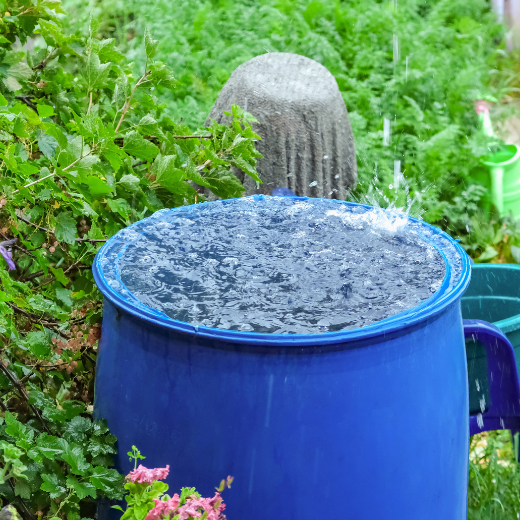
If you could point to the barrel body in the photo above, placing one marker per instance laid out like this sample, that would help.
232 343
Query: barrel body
364 429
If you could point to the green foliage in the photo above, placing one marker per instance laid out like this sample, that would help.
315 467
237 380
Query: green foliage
85 150
417 64
494 478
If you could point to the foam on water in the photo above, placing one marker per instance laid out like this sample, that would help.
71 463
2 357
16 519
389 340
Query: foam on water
278 265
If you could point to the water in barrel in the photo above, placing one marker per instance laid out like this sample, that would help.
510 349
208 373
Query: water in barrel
279 265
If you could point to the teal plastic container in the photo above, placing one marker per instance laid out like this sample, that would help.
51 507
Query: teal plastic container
493 295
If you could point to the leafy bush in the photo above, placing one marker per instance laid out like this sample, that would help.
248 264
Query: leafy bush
85 150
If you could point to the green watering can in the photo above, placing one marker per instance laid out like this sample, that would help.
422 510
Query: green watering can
504 169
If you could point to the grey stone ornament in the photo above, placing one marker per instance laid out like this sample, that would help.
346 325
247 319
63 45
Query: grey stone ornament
307 140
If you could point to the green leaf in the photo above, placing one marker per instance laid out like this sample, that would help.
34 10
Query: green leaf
94 72
129 182
75 430
22 489
18 431
75 457
489 253
515 252
161 75
51 447
120 92
102 445
12 84
65 227
97 186
69 410
58 134
47 144
166 174
224 183
149 126
241 163
28 169
107 51
53 485
64 295
39 344
150 45
120 206
82 489
40 399
45 110
137 146
3 101
109 481
59 275
20 127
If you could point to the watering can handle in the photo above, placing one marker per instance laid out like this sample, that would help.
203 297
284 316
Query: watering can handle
504 389
497 183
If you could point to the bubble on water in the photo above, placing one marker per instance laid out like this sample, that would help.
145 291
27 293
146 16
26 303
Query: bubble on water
278 265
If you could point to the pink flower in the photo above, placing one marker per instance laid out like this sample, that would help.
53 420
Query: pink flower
144 475
482 107
187 510
213 506
163 508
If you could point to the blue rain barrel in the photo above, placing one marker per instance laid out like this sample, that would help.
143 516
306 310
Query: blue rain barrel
361 424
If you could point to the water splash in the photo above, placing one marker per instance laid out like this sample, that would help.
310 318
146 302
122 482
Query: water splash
396 48
386 132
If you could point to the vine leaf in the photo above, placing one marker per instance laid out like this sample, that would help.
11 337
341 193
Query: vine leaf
136 145
53 485
150 45
95 72
65 227
82 489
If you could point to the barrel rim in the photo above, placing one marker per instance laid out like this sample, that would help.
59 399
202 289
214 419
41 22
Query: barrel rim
511 324
399 322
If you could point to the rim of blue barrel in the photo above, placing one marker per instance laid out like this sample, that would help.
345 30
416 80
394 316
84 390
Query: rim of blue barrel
512 323
427 310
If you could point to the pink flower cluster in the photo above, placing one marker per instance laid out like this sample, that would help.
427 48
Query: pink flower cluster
193 508
163 507
144 475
